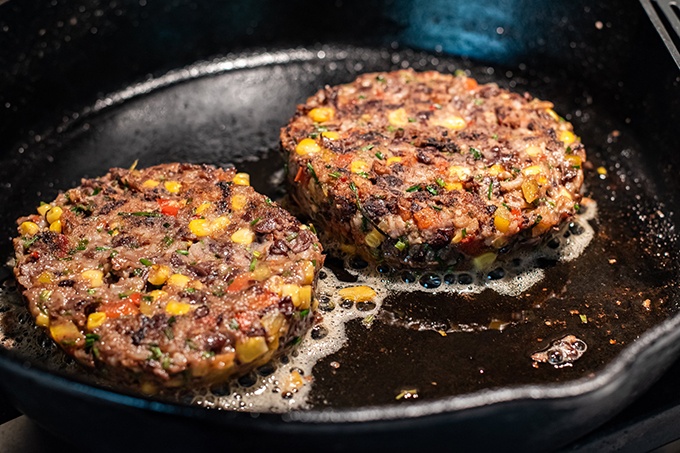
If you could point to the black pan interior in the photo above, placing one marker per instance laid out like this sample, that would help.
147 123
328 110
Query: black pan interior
230 111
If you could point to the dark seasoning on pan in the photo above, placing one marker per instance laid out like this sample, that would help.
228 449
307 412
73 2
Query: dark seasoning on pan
433 335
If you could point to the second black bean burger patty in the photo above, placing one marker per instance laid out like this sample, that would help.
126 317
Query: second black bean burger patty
169 276
424 169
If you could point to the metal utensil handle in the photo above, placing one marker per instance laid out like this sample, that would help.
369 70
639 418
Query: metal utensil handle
665 15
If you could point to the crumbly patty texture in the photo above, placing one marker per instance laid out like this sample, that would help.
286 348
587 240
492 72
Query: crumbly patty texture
426 169
172 275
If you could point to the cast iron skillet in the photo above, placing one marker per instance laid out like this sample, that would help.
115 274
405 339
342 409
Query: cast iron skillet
487 394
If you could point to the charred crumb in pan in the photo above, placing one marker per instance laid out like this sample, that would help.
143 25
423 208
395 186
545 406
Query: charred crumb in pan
174 275
427 169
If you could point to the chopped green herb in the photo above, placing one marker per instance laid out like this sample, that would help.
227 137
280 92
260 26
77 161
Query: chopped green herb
148 298
459 73
367 147
137 272
291 236
538 219
146 261
45 294
577 207
29 241
568 150
368 320
167 240
352 187
361 96
191 344
411 120
233 324
254 221
490 191
122 295
101 249
167 361
82 244
304 313
90 339
190 290
435 207
156 352
311 227
505 205
312 172
495 136
113 254
413 188
391 128
380 155
91 291
463 233
335 174
432 190
380 78
253 264
440 182
363 174
140 214
268 201
400 245
476 154
182 252
96 191
314 135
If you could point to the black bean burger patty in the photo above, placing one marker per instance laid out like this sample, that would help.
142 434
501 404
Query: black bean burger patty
425 169
172 275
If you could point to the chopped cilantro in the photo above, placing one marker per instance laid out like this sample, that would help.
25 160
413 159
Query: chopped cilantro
432 190
146 261
254 221
413 188
335 174
476 154
380 155
440 182
400 245
368 147
182 252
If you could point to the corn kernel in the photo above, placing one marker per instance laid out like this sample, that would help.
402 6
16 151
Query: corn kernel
532 170
393 160
574 160
200 227
219 223
195 284
567 137
28 228
45 278
150 184
307 146
321 114
54 214
272 323
43 208
94 277
496 170
307 269
56 226
459 173
457 237
330 135
95 320
146 307
292 291
530 190
159 274
201 208
157 294
553 114
178 280
359 166
533 151
250 349
348 248
261 272
42 320
241 179
305 296
374 238
174 308
398 117
361 293
65 332
601 171
484 261
501 222
243 236
238 202
173 186
453 186
454 123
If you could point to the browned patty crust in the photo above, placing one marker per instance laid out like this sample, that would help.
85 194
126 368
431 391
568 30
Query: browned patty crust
423 169
172 275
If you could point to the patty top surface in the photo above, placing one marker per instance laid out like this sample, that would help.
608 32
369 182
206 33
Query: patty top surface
168 275
416 168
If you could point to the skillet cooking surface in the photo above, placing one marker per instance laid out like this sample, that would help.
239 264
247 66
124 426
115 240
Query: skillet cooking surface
231 110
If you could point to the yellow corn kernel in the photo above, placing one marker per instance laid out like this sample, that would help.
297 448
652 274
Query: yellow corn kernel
54 214
295 382
65 332
250 349
243 236
272 323
305 296
262 272
501 221
28 228
453 186
150 184
458 173
200 227
201 208
43 208
533 151
292 291
159 274
602 171
496 169
238 202
359 166
361 293
398 117
241 179
374 238
196 284
95 277
532 170
178 280
348 248
530 190
42 320
484 261
174 308
157 294
566 137
173 186
454 123
574 160
553 114
95 320
307 146
45 278
146 307
219 223
321 114
56 226
393 160
331 135
457 237
307 269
